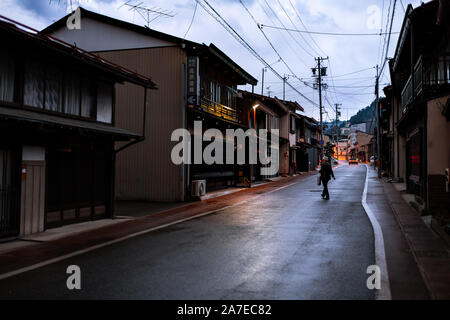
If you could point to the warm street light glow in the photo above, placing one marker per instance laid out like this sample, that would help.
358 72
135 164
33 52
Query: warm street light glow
255 106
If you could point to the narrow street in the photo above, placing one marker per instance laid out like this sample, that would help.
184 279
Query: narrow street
287 244
171 150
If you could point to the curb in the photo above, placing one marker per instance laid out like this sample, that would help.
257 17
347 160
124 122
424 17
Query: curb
384 293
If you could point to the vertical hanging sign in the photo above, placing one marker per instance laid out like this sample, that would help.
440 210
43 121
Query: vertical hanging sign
193 81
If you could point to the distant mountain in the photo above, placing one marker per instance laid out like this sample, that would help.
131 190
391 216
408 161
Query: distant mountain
333 123
364 115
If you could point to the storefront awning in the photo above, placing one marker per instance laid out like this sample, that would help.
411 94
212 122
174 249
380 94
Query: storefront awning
61 122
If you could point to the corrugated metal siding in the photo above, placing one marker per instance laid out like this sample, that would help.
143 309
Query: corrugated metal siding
33 198
145 171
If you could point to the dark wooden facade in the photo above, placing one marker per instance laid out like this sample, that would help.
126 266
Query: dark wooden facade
415 128
57 132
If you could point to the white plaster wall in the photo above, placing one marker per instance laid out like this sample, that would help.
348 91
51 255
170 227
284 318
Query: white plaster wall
98 36
438 137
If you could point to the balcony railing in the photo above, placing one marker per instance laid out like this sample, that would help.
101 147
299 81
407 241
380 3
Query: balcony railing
407 94
219 110
428 76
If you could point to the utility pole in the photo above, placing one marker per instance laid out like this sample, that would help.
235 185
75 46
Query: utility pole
264 69
321 72
338 113
378 126
336 139
284 87
262 83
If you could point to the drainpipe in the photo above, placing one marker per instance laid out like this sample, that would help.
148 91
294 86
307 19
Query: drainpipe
185 167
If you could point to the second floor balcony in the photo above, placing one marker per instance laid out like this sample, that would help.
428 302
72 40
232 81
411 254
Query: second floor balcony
430 77
219 110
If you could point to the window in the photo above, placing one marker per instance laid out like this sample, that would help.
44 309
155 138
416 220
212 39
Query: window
34 84
229 98
72 94
212 87
441 70
268 121
6 76
293 127
432 75
104 102
447 69
217 93
88 99
275 124
53 88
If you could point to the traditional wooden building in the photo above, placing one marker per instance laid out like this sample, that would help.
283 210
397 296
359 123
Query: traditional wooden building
418 105
197 82
57 131
272 113
360 146
307 137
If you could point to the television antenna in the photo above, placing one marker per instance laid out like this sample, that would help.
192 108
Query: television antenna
148 14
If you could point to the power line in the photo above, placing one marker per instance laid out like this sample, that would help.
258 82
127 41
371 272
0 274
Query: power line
402 6
292 22
301 21
389 37
295 40
192 20
213 13
353 72
387 24
361 79
300 58
352 93
329 104
332 79
325 33
352 79
351 87
265 36
381 30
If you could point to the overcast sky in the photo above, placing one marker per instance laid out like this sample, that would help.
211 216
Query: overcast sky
347 54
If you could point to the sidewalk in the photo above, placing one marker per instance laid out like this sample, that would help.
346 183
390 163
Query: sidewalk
118 229
418 260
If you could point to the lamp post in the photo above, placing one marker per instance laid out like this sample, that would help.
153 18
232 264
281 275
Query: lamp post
254 126
264 69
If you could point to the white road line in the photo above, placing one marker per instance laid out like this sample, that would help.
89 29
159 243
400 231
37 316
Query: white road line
76 253
380 256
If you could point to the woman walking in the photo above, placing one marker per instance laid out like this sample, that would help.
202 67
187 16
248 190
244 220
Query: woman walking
326 172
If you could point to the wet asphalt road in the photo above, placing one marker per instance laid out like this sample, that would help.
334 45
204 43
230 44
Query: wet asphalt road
288 244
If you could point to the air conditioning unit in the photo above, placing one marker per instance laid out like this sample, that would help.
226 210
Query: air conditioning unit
198 188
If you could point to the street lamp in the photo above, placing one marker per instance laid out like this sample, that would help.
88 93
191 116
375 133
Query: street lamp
254 114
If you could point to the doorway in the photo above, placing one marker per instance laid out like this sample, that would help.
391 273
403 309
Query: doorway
9 193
